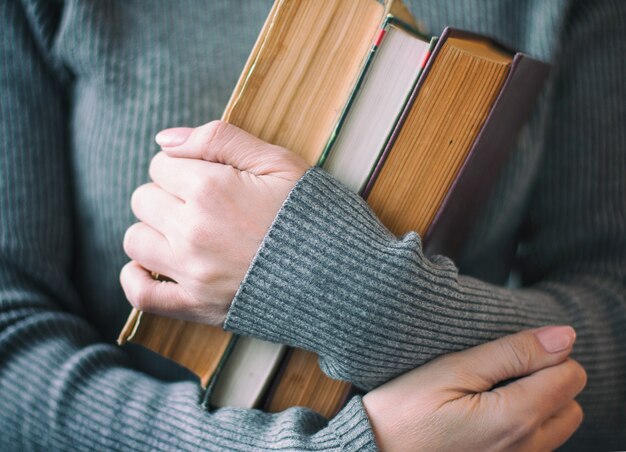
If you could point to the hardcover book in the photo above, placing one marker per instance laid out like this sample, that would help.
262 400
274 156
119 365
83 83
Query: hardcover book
419 130
301 71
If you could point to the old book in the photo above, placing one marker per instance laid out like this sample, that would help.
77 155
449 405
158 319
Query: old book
196 346
436 168
301 71
246 372
384 85
396 60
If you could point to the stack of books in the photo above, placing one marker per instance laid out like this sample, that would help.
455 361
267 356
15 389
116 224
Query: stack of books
418 126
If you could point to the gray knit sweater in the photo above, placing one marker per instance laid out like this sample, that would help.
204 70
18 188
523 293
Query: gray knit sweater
85 85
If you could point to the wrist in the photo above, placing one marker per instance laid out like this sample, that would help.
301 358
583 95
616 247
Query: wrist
304 285
352 427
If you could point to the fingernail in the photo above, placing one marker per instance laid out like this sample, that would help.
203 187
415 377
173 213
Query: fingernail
556 338
173 137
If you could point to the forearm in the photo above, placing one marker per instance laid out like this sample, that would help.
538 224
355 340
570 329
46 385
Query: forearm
372 307
64 389
331 279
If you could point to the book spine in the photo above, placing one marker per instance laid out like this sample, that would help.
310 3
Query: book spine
367 186
208 393
378 39
407 108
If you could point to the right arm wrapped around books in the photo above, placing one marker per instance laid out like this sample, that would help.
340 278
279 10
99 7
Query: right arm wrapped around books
330 278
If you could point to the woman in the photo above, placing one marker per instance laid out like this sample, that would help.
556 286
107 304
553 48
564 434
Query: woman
84 88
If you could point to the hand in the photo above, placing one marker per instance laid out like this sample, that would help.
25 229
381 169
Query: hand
215 193
450 403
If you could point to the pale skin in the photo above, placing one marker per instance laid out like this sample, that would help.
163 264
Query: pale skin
215 192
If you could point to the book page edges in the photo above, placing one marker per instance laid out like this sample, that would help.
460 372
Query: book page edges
280 128
130 327
301 370
394 7
493 144
407 108
390 21
195 346
440 239
252 58
134 324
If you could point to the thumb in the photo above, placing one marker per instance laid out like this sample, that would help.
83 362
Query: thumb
514 356
220 142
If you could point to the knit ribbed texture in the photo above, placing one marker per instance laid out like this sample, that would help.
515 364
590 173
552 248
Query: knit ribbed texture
84 86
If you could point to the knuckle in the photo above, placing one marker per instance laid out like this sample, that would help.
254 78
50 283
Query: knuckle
526 426
136 291
124 275
130 239
212 131
577 414
518 424
137 199
196 233
203 187
579 375
520 352
155 164
141 296
202 272
197 188
582 375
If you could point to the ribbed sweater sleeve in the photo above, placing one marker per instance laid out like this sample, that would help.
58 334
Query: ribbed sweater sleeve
62 387
331 279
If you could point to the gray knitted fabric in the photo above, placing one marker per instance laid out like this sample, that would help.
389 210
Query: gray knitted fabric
84 88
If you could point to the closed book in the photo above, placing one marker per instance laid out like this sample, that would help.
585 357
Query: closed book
512 83
301 71
438 165
307 67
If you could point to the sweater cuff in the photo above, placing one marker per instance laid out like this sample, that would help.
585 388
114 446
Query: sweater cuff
352 427
317 249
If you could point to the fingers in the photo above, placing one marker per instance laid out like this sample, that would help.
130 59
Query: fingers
559 428
481 367
164 297
441 400
182 177
223 143
156 207
546 391
150 295
150 249
216 141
